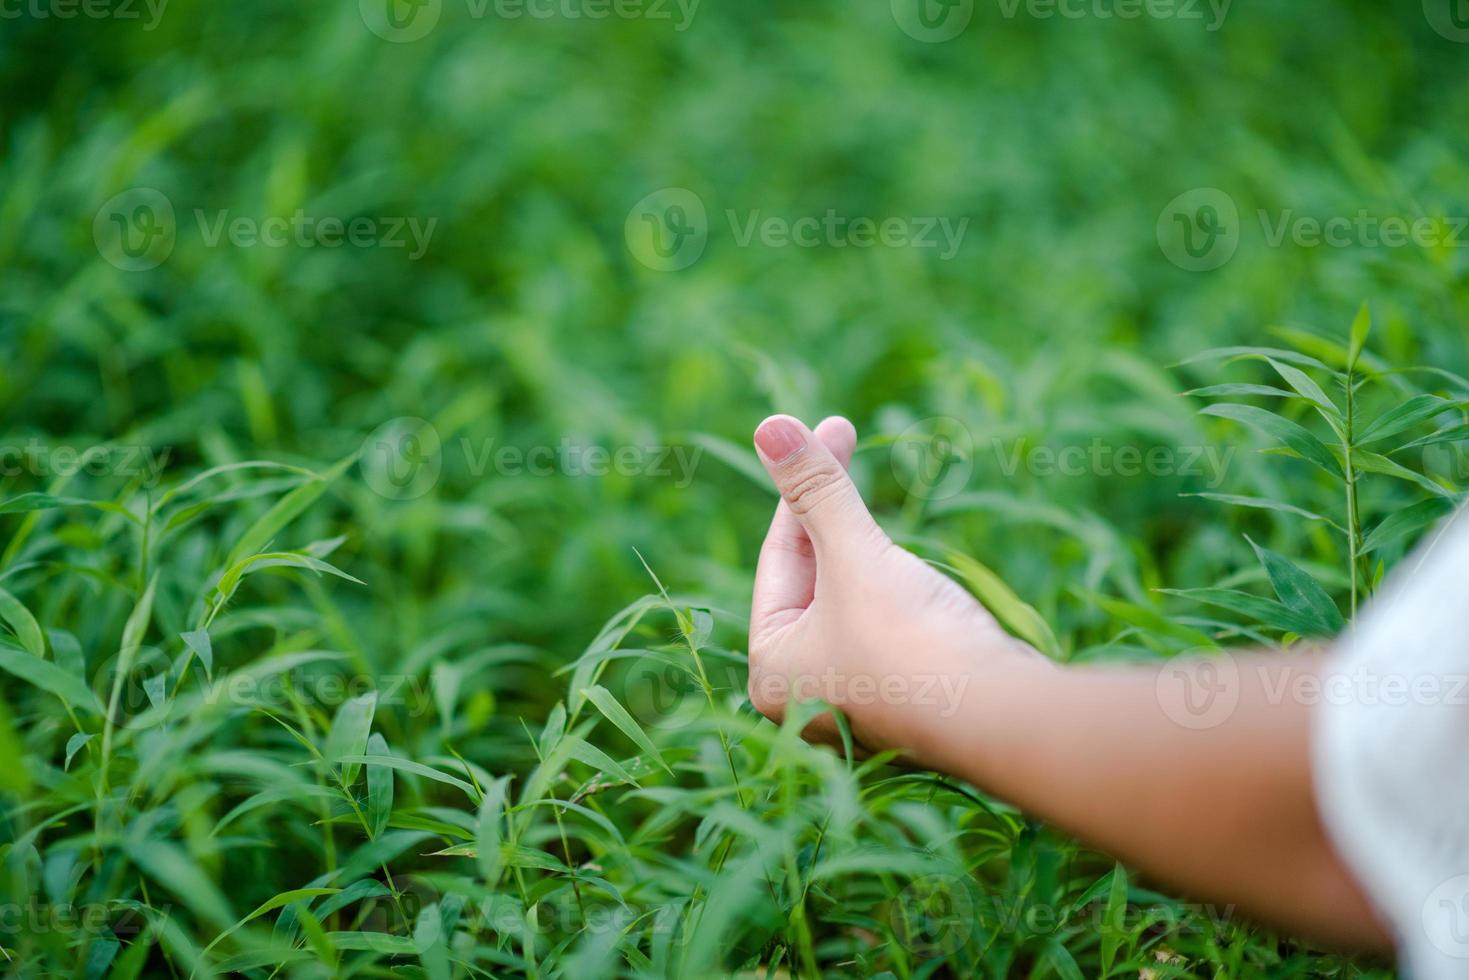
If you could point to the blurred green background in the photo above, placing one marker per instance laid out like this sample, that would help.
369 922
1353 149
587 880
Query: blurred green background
527 148
527 320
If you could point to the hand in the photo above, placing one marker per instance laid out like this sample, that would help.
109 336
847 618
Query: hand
842 614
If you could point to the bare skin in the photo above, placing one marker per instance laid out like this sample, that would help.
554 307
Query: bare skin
1223 810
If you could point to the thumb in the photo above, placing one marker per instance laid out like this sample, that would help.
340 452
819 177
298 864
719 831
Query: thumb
813 483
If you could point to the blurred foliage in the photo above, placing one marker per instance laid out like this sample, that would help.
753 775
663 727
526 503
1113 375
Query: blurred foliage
527 322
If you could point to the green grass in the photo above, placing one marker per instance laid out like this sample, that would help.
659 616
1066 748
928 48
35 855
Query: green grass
345 656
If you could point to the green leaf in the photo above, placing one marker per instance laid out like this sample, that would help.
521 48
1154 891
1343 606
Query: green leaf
15 778
171 867
74 745
1402 523
1264 503
1230 390
1307 388
487 830
1256 353
618 715
48 677
1062 961
1299 590
137 625
1291 434
1361 328
1419 408
350 730
1452 433
271 904
741 459
31 502
379 788
1013 612
584 751
1374 463
1257 608
285 510
432 944
1331 352
1150 621
417 769
198 641
1114 930
23 624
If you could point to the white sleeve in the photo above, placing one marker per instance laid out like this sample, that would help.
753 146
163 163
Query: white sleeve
1391 754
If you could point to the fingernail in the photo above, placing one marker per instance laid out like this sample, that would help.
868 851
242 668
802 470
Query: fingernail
779 439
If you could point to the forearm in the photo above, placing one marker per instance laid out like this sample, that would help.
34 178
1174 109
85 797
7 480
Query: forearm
1215 802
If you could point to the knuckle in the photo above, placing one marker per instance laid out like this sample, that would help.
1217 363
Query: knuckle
814 488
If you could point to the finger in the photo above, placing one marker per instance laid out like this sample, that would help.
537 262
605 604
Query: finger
813 483
785 578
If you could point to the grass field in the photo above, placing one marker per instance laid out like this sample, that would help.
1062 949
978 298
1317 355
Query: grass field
377 512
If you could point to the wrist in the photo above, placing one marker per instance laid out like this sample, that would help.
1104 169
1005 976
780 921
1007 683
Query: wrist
969 701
